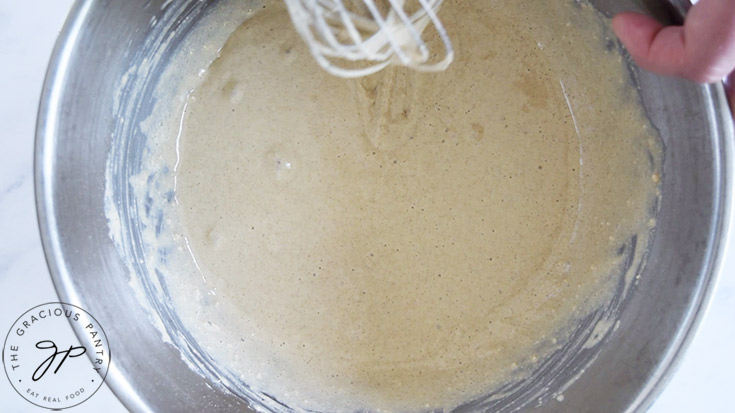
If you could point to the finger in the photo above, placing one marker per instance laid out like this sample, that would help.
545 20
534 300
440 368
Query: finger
654 47
702 50
709 30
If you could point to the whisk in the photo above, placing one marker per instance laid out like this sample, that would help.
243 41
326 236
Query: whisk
354 38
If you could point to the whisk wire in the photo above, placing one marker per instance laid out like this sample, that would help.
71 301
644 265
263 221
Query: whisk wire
336 35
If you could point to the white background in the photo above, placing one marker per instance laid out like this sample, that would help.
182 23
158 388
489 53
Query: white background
705 381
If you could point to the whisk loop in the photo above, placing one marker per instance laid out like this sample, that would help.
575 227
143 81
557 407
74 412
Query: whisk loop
372 34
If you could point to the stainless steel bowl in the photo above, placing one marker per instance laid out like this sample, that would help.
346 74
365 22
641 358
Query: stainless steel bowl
81 121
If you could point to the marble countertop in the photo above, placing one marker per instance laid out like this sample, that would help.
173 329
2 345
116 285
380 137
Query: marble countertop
703 382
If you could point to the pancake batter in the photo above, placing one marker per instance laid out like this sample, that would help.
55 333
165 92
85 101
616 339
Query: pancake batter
407 240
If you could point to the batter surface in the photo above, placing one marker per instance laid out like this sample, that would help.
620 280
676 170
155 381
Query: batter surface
406 240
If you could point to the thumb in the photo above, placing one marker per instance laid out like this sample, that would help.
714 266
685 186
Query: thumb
654 47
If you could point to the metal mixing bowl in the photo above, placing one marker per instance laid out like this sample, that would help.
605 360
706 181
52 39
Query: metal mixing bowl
81 122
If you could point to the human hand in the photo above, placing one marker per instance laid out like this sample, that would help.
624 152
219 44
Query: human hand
702 50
